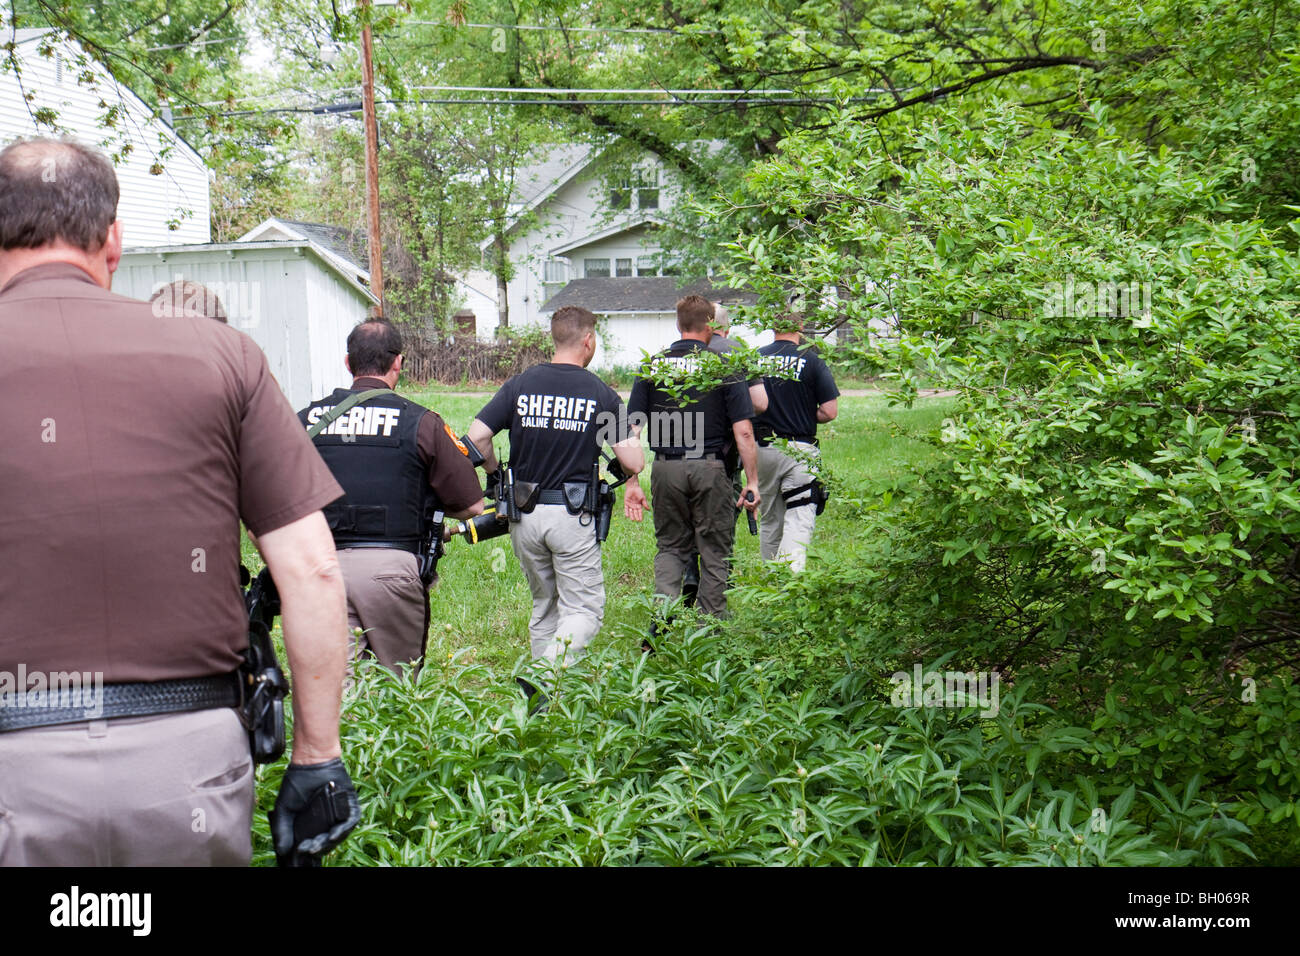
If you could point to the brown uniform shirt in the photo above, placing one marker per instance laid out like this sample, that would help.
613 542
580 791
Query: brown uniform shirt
130 448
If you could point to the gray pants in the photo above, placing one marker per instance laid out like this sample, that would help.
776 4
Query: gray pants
785 533
694 510
387 600
561 560
172 790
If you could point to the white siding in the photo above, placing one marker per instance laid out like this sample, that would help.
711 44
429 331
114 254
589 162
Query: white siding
296 308
148 202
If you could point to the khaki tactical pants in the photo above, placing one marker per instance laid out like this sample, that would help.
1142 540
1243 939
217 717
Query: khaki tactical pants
694 510
170 790
784 533
560 557
387 600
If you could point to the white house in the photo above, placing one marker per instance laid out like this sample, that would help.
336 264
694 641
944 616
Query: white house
583 232
164 182
291 295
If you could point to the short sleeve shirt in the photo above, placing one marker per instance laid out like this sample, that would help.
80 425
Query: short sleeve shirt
559 417
135 445
792 402
701 423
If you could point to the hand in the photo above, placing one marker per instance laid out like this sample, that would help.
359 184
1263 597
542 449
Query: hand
744 500
634 502
302 783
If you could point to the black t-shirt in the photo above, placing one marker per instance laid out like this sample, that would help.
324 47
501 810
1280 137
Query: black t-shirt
699 424
792 403
559 416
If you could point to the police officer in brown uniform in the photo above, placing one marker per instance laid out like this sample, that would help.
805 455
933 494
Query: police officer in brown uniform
690 488
398 464
133 447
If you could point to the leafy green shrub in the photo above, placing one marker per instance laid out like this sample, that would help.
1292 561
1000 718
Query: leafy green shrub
691 757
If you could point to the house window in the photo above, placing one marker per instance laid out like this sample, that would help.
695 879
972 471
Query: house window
620 191
646 266
595 268
623 267
556 276
647 188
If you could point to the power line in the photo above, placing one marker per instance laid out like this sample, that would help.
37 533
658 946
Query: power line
336 108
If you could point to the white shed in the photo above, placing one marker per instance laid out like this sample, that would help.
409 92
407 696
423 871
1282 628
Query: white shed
291 297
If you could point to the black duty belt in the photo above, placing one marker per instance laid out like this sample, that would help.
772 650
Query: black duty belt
682 455
147 699
412 547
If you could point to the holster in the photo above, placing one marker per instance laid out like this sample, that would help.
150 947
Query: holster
263 685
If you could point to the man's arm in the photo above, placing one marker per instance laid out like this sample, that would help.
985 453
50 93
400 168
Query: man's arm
827 411
632 457
481 436
305 566
745 444
758 395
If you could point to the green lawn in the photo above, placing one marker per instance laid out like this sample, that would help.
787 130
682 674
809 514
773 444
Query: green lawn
481 603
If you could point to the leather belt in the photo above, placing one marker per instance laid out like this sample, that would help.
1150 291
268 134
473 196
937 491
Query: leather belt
146 699
393 545
551 496
681 455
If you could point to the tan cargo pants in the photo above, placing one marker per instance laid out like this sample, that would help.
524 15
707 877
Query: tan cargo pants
694 510
784 533
387 600
171 790
560 557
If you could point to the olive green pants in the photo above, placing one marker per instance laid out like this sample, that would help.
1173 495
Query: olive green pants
694 510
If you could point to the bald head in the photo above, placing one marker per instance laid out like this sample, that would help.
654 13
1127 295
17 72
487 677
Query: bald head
721 324
55 192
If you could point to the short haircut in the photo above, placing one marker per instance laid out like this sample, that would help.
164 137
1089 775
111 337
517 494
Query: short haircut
372 346
694 313
55 190
569 324
185 297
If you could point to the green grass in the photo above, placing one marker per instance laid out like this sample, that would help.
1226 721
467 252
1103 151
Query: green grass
481 603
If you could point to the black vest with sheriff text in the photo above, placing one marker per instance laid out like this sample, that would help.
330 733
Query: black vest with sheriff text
372 451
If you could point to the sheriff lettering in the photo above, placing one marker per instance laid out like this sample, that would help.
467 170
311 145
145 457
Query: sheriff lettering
557 412
370 421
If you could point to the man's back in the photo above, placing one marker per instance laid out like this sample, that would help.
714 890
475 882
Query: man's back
133 446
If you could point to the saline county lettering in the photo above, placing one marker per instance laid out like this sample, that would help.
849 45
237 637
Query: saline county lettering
559 412
76 909
361 420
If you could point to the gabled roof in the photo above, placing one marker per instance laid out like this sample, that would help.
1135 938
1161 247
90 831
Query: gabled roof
303 246
640 294
335 241
611 230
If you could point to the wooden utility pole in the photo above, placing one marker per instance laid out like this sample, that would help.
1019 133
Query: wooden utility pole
372 158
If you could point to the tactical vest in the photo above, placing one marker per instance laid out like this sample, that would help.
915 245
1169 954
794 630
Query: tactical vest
372 451
666 439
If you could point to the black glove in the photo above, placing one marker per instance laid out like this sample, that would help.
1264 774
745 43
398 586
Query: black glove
317 807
